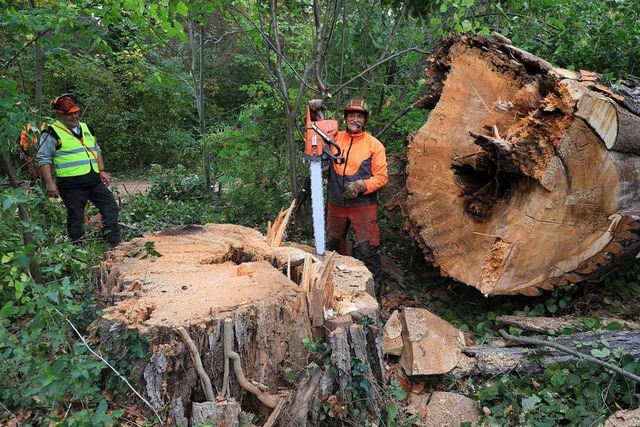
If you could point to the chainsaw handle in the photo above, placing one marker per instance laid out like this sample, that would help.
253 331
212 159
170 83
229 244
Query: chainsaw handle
326 152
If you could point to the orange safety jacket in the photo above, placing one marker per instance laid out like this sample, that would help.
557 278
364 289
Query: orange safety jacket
29 141
365 159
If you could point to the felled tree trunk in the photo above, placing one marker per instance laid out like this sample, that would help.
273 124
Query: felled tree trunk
524 176
186 292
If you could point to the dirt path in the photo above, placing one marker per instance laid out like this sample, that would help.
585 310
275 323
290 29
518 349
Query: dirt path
126 187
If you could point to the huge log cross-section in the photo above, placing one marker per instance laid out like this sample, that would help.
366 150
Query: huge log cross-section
524 176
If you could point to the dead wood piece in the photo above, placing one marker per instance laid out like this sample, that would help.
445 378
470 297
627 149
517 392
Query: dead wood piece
322 292
325 283
500 359
572 352
617 127
392 334
266 398
273 418
430 344
309 379
499 37
275 231
545 324
446 409
359 344
624 418
197 362
341 359
378 365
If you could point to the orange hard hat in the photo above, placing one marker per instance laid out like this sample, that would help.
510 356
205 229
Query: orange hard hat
65 104
357 104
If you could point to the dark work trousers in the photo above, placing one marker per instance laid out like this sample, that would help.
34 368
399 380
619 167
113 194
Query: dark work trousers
75 199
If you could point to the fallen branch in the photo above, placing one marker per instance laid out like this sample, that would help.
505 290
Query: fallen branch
268 399
271 421
544 324
195 356
110 366
562 348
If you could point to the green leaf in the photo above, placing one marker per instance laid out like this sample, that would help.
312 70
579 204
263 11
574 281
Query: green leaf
530 402
392 414
182 9
7 203
614 326
8 310
19 287
604 353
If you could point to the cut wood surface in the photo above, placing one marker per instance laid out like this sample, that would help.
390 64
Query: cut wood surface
524 176
431 345
176 288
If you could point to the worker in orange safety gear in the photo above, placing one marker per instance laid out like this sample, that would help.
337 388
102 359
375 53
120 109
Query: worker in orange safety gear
29 138
353 187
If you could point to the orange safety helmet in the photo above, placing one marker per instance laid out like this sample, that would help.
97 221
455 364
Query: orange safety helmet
357 104
65 104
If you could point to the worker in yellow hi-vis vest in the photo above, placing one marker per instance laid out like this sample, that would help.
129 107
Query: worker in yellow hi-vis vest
70 148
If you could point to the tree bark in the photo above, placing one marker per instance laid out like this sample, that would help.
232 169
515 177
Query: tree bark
23 213
524 176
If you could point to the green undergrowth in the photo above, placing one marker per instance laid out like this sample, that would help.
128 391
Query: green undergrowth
47 374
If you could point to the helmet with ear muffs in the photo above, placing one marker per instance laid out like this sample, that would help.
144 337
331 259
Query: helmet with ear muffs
357 104
66 103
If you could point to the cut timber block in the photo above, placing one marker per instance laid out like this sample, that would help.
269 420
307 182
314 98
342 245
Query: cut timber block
431 345
392 335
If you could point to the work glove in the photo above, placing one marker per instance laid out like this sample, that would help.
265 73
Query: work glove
316 105
352 189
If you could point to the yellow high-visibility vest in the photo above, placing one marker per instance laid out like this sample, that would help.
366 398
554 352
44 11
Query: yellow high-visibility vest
74 158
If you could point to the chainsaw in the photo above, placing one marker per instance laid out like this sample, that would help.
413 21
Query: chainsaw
318 142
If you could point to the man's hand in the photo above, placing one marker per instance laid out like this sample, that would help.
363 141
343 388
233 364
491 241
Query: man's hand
52 189
104 176
316 105
352 189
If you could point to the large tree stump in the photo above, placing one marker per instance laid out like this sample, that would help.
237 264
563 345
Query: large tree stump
524 176
175 289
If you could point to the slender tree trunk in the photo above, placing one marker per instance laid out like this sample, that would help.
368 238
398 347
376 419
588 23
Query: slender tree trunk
203 125
197 76
23 213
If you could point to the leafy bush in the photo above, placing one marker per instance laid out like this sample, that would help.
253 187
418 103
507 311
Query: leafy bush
569 394
46 373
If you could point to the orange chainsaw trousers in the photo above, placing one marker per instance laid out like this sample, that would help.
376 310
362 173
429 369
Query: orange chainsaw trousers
365 225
